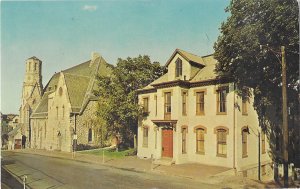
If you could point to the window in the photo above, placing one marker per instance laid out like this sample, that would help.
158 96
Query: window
145 137
221 142
56 112
200 141
263 143
155 98
35 66
63 111
178 67
45 130
244 142
90 135
184 131
221 102
244 105
155 137
167 107
200 103
146 105
184 95
60 91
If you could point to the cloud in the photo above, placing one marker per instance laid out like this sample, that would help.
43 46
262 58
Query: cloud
89 7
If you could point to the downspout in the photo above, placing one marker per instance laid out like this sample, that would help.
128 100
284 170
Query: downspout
75 123
234 122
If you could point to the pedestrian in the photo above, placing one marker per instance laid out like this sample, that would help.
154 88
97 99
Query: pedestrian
74 145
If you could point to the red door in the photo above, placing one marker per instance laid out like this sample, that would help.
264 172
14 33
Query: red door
167 142
18 143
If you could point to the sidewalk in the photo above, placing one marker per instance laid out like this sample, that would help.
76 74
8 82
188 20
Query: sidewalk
203 173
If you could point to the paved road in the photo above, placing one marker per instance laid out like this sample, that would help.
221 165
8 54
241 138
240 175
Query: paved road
61 173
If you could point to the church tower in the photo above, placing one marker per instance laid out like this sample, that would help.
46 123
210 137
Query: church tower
31 93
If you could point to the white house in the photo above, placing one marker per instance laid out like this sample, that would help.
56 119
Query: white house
191 115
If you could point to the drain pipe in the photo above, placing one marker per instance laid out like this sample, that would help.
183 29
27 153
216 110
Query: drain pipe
234 122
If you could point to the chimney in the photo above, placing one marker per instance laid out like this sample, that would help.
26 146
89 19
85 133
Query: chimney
94 57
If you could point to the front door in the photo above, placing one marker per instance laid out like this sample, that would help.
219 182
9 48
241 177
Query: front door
167 142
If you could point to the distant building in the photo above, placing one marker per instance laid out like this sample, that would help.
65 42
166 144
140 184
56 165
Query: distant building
9 123
191 115
68 107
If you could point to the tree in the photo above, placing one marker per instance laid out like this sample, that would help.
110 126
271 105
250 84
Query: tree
118 101
260 22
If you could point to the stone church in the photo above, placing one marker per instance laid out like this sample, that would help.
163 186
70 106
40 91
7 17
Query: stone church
65 107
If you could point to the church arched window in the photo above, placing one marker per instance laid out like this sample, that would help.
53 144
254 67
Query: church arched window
60 91
90 135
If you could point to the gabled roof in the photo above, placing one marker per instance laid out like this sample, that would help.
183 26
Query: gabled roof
77 87
191 58
205 73
15 130
80 82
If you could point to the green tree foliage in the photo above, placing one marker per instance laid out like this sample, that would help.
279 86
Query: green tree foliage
118 100
260 22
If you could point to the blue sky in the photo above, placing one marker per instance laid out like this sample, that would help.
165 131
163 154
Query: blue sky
63 34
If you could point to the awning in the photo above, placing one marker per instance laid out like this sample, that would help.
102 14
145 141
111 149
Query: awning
165 123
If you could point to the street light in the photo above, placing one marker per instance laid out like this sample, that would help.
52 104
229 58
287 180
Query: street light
284 108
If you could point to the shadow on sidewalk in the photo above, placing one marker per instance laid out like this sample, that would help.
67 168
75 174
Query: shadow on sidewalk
9 180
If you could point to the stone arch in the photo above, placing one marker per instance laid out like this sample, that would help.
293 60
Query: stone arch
221 127
184 127
200 127
246 128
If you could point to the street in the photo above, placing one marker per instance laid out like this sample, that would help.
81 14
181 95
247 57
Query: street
52 172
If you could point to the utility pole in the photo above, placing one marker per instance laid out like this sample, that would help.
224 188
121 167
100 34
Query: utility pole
258 156
284 119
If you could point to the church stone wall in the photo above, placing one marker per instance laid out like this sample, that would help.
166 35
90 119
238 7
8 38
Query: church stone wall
86 121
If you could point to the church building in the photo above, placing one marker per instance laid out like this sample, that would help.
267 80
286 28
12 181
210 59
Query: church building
65 107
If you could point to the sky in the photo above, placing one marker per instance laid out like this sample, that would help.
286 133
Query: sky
64 33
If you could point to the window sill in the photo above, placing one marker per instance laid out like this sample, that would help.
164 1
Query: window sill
244 114
200 153
244 156
221 113
200 114
145 146
222 155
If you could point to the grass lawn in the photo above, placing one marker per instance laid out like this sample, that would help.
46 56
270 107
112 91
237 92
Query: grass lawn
108 153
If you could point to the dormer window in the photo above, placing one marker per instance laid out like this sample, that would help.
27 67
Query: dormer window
178 67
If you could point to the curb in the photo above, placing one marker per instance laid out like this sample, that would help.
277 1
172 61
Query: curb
90 162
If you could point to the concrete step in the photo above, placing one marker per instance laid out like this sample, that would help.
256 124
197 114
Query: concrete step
164 161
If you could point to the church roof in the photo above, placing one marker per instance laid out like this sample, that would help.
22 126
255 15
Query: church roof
80 82
77 87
